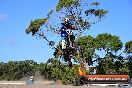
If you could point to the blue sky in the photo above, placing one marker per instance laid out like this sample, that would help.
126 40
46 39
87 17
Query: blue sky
15 16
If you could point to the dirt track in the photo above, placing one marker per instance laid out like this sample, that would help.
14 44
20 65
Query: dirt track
40 84
48 86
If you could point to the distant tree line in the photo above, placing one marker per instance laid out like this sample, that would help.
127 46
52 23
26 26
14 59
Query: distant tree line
15 70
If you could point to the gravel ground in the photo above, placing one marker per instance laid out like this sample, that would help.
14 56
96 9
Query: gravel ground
48 86
40 84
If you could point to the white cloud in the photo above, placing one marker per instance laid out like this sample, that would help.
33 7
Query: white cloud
3 17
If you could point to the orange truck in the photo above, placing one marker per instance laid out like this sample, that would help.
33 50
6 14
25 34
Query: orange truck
100 79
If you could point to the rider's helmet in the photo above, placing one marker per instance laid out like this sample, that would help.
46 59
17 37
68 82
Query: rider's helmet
66 19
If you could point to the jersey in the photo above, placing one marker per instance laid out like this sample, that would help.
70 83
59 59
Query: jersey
64 33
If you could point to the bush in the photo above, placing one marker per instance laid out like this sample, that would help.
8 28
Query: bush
55 70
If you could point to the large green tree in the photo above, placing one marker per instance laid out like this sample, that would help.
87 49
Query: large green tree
106 43
82 15
128 47
128 51
113 63
104 50
109 45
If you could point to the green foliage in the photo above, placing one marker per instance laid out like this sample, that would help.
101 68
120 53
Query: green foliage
35 25
111 44
99 12
81 13
108 66
96 3
100 69
66 4
88 45
108 42
15 70
57 53
130 67
70 75
128 47
86 41
55 70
